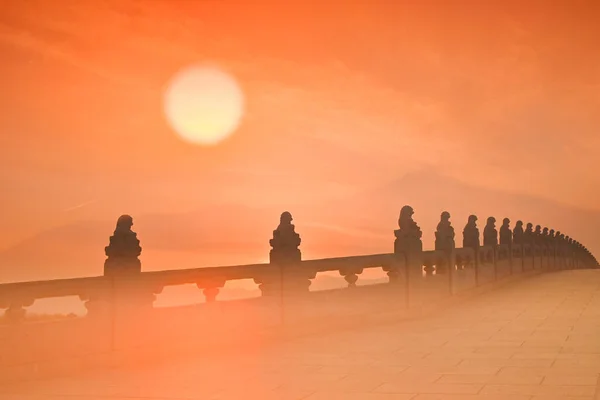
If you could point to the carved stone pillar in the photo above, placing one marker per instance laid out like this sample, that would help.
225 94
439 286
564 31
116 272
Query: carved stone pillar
123 250
285 242
444 241
408 240
285 256
471 234
490 234
528 240
123 268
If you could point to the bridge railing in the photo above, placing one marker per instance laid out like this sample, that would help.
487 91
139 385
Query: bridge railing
122 318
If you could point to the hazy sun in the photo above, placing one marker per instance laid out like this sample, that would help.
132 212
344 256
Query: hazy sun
204 105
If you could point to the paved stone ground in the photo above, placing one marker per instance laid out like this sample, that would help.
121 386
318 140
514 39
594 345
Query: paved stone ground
535 340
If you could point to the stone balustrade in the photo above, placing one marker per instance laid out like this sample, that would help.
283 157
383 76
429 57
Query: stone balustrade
121 315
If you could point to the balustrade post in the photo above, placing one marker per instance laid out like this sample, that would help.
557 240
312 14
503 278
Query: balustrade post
408 242
560 250
471 240
551 250
286 279
506 243
535 240
570 252
444 241
130 298
450 259
510 258
133 297
289 277
523 257
490 238
495 261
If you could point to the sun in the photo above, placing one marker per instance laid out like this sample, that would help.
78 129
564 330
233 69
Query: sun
203 104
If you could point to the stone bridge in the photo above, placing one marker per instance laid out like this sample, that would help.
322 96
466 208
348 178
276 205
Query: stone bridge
514 317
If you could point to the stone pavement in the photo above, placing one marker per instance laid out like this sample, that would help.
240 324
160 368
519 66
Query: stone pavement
538 339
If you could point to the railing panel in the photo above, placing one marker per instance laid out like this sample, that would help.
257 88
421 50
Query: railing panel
486 271
464 275
503 269
503 261
551 259
123 312
538 257
543 259
373 276
517 259
429 280
528 258
16 298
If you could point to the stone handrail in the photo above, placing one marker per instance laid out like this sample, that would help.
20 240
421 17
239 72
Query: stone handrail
121 315
15 297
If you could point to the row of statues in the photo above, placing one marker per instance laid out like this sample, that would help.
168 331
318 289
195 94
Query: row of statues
517 236
124 247
408 237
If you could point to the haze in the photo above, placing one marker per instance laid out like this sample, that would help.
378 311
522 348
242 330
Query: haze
352 111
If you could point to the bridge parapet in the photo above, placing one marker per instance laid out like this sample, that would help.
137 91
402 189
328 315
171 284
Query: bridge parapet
122 318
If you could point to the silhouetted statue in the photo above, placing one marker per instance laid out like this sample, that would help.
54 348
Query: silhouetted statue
538 233
551 237
569 244
505 232
123 249
556 243
561 244
558 238
408 237
545 240
285 241
518 233
471 233
528 234
545 235
444 235
490 234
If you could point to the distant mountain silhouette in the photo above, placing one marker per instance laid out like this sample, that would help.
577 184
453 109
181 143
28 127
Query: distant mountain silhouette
236 234
211 236
430 193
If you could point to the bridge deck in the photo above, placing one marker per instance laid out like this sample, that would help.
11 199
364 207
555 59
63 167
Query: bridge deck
536 339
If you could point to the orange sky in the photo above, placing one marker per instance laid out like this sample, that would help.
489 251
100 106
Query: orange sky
341 98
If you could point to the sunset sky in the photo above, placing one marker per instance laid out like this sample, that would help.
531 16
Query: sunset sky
341 98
